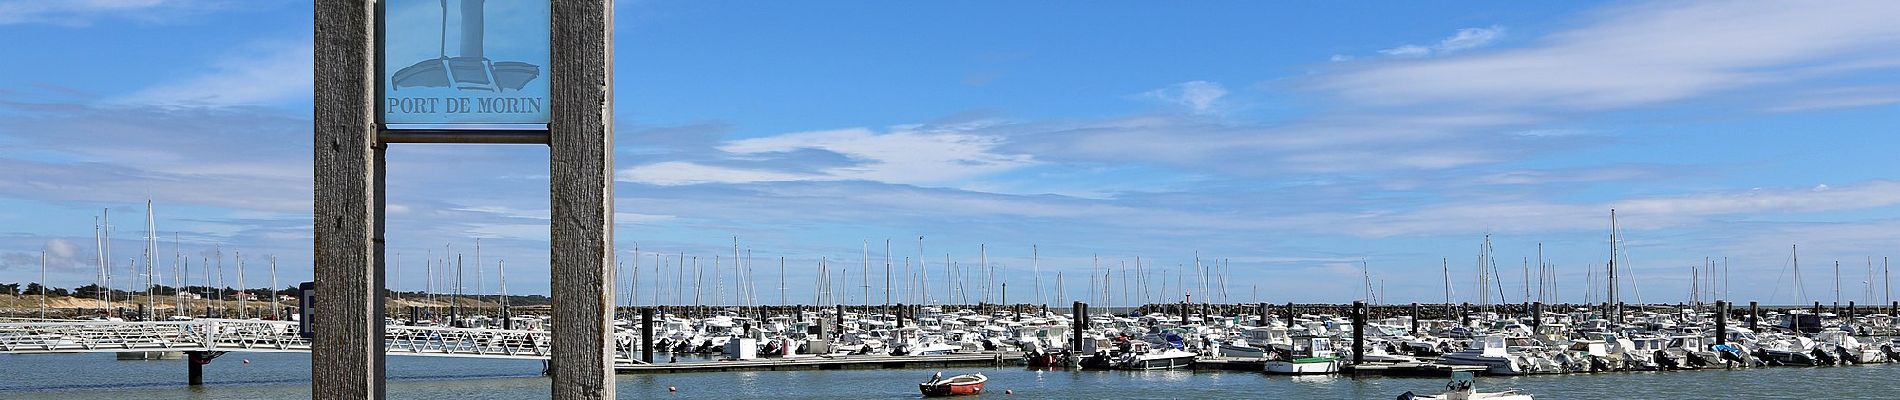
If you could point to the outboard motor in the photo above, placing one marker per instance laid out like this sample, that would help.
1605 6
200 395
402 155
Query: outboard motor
1597 364
1845 356
1696 360
1664 361
1761 354
1822 357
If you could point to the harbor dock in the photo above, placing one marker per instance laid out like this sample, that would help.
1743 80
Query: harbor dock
841 362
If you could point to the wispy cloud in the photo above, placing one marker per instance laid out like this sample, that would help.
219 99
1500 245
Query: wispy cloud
1525 215
1464 39
914 154
1865 96
1635 55
1198 97
85 12
263 73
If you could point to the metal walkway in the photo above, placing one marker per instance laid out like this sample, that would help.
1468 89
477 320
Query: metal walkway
227 335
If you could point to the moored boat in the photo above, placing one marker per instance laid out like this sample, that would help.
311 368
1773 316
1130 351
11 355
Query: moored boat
1303 366
1462 387
1318 359
967 384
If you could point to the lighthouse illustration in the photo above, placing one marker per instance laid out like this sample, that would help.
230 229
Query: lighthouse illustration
469 69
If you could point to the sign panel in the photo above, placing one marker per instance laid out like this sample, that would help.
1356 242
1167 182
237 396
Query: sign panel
465 62
306 308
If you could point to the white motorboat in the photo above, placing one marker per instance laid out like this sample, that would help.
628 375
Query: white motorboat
1144 357
1489 352
1463 387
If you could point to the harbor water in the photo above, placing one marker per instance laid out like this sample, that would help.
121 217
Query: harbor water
286 375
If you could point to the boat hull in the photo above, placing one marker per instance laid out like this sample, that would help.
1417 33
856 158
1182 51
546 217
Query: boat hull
962 385
1302 367
1157 363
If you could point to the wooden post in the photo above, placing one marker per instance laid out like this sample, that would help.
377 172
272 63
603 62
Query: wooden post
1537 314
1414 318
646 335
1075 339
1721 322
195 368
346 353
1265 318
1754 315
580 150
1289 315
1358 332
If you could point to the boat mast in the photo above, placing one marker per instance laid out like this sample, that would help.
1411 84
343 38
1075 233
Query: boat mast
1444 267
1035 268
1611 299
887 270
781 281
923 279
1527 279
243 311
633 283
151 261
1794 252
181 271
42 291
428 275
1543 274
99 254
501 275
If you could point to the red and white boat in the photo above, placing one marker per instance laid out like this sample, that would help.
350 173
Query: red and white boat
953 386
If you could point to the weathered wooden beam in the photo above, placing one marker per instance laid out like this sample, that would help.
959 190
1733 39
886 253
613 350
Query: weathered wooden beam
581 174
347 351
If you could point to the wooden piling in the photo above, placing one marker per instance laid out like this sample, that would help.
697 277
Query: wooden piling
646 335
1358 332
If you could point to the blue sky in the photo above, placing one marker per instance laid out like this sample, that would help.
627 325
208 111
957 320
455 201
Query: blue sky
1297 144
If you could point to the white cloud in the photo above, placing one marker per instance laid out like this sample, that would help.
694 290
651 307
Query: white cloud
1407 51
266 73
1198 97
675 173
1521 216
1639 55
82 12
1467 38
1470 38
1840 98
906 154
